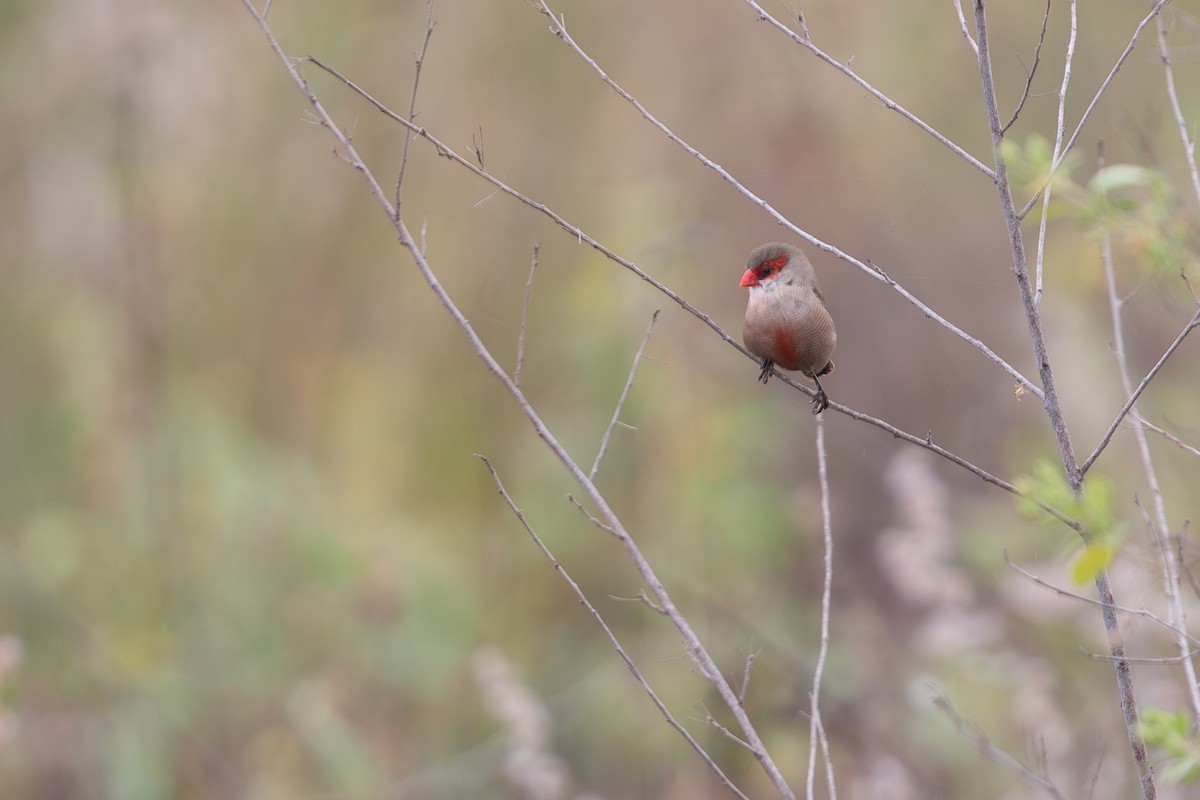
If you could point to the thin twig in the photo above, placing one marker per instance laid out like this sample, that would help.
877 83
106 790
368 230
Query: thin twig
637 359
525 315
805 41
590 516
1095 101
1166 554
412 98
1170 437
1189 144
1136 612
1143 660
751 657
612 637
1059 132
971 732
815 729
962 22
560 31
1037 56
1104 440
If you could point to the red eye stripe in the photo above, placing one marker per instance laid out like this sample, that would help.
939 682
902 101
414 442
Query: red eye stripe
768 268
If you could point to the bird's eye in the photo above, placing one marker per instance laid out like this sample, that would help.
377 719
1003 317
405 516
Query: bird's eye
769 268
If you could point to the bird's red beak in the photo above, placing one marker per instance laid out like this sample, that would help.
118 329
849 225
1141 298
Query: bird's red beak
749 279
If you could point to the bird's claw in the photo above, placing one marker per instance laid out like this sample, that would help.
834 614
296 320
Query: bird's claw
820 401
765 375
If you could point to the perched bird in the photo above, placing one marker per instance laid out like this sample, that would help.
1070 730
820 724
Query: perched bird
787 324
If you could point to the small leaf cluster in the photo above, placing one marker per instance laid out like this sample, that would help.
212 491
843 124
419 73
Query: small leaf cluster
1171 731
1137 206
1103 532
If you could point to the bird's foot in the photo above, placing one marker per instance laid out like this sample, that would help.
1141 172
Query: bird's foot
765 375
820 402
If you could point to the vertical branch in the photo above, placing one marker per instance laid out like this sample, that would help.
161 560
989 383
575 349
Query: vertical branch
1116 641
1020 266
412 98
1059 132
1166 553
816 730
1189 144
525 316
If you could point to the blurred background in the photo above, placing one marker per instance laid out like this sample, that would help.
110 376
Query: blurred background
246 550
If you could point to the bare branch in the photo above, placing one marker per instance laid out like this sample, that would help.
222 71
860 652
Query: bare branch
1136 612
1189 144
1142 660
525 315
412 98
804 40
1037 56
972 733
1166 554
751 657
815 730
624 393
962 22
1170 437
711 720
1192 323
1020 267
1059 132
590 516
1095 101
874 272
612 637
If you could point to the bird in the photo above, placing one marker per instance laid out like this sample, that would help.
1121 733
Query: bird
787 324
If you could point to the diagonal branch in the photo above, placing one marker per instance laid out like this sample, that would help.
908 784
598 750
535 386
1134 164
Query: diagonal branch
612 637
577 233
1192 323
694 647
1037 56
1087 113
971 732
637 359
805 41
556 26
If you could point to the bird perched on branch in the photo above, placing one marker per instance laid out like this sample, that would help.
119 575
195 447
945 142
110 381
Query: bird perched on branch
787 324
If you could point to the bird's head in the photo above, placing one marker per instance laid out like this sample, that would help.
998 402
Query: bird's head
775 264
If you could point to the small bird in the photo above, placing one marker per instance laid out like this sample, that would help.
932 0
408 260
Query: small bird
787 324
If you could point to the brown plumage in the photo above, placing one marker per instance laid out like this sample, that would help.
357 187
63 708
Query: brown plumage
787 324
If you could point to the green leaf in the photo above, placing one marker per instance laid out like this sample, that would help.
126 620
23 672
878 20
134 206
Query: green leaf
1119 176
1091 561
